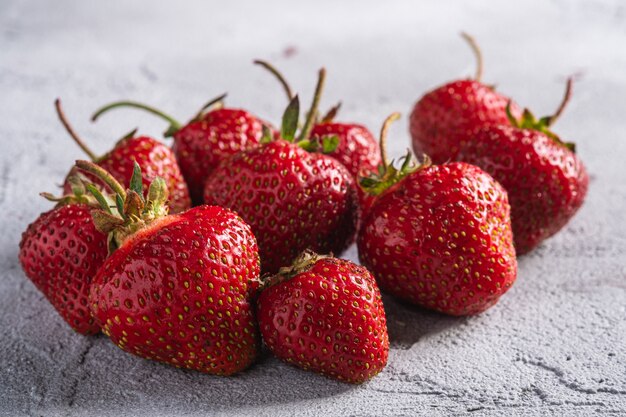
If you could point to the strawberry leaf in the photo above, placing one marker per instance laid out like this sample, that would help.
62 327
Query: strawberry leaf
136 183
267 135
388 175
119 202
157 197
290 120
330 143
105 222
77 186
99 198
133 205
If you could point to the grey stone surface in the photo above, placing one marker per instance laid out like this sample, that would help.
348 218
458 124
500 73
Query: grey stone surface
554 345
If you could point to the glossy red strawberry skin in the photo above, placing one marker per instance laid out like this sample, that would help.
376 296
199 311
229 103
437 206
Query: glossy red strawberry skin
201 145
443 118
292 199
179 292
155 160
358 150
60 253
328 319
441 238
546 182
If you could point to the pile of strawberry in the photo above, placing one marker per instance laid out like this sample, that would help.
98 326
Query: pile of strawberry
192 255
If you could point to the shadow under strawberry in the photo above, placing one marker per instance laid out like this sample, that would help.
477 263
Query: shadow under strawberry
407 324
268 382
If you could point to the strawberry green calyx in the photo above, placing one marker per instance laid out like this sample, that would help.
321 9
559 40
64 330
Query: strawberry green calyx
102 174
388 174
293 108
477 53
79 194
132 212
529 121
267 136
289 124
301 264
291 116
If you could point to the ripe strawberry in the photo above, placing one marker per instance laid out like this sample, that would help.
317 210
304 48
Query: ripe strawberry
292 199
60 253
154 158
545 180
357 148
213 135
445 117
440 236
325 315
177 287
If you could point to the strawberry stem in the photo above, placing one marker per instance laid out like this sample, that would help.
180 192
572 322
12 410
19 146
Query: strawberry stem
72 133
102 174
174 124
388 175
477 53
566 97
281 79
312 115
383 137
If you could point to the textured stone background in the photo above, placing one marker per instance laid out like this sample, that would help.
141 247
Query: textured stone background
554 345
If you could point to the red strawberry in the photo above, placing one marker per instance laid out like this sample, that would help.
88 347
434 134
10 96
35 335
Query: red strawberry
357 148
444 118
177 287
213 135
60 253
325 315
292 199
440 237
545 180
154 158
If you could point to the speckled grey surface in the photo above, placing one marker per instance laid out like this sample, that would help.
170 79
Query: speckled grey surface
554 345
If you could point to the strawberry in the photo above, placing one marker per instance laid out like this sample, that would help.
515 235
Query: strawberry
445 117
325 315
214 134
357 148
545 180
154 158
61 252
439 236
293 199
176 288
